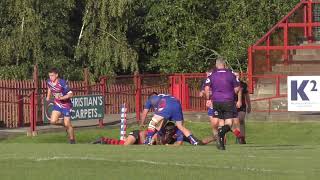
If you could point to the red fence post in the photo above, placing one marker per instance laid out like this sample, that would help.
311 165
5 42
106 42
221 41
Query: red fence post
305 15
171 83
268 55
278 86
285 43
20 110
32 114
250 70
176 86
86 80
137 82
36 91
103 84
183 93
309 20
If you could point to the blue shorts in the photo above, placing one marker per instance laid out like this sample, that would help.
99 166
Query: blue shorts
65 111
171 111
211 112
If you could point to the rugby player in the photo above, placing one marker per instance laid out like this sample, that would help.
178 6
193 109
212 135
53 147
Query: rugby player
224 85
214 121
243 107
168 135
166 108
62 104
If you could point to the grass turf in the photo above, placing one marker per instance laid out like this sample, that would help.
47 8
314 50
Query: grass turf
275 151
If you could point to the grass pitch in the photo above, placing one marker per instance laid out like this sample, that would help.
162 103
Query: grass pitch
275 151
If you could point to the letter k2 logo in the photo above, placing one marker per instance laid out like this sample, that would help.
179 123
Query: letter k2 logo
295 90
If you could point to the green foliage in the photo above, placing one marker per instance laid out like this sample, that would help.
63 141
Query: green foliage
102 43
243 22
182 29
125 36
19 33
15 72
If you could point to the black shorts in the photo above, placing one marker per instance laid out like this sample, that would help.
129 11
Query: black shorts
242 109
136 135
226 110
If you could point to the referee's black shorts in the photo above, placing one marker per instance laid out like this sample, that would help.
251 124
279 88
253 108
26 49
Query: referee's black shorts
224 110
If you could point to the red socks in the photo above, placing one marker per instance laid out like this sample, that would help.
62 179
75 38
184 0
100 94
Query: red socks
236 132
111 141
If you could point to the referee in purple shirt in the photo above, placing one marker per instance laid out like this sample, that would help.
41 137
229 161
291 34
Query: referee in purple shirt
224 85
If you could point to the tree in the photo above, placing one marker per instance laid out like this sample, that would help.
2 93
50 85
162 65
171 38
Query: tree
182 29
20 45
102 43
245 21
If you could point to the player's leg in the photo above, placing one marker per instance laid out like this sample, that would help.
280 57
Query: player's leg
242 116
68 125
207 140
130 140
56 113
235 128
227 110
133 138
156 120
219 115
186 132
214 122
176 115
107 140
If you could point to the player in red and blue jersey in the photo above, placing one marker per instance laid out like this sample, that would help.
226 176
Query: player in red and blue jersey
166 108
62 103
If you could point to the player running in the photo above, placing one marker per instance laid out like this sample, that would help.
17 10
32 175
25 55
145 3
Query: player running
166 108
224 85
62 103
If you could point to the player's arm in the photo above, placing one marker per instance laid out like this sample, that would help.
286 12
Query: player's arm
237 89
202 90
239 102
236 84
144 116
48 94
207 92
67 91
67 96
248 102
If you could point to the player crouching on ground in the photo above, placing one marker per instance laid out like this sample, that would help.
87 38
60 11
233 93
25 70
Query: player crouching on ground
62 103
138 137
166 107
168 135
